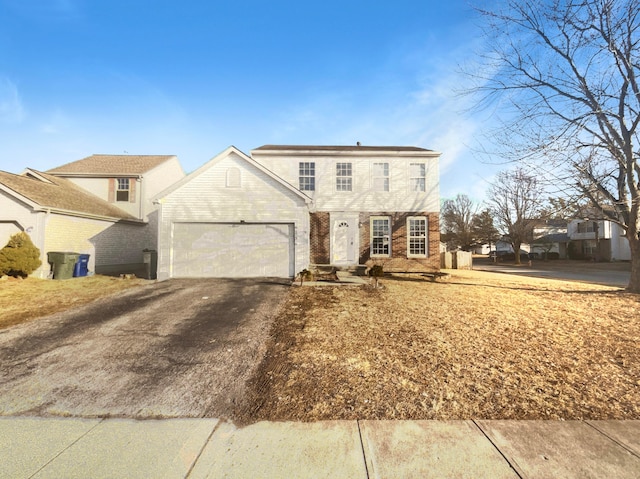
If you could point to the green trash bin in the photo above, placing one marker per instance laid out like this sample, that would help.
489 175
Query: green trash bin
62 263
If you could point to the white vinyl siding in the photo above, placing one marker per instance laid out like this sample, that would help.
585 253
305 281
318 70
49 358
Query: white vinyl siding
417 237
206 199
380 236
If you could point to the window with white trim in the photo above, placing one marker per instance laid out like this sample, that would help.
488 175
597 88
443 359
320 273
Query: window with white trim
417 236
123 189
380 176
380 236
344 177
307 175
417 176
586 227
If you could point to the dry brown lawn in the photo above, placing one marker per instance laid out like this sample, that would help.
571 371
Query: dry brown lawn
481 345
24 300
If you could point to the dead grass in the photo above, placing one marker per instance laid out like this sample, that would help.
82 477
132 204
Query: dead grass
24 300
482 345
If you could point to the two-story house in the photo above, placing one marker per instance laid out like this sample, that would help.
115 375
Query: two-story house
129 182
597 239
100 206
285 208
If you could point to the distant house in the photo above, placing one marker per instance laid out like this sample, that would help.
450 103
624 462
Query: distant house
100 205
598 239
285 208
550 236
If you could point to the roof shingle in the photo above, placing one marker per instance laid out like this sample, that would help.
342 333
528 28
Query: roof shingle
112 165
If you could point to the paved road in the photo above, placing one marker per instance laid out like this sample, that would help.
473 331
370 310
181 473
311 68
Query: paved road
180 348
580 272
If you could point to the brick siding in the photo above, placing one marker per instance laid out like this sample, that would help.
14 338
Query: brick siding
398 261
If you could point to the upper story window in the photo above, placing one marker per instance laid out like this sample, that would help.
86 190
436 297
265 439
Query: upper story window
123 189
417 176
585 227
380 236
344 177
233 177
417 236
307 175
380 176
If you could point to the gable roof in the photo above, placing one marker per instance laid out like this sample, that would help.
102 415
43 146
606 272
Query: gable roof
116 165
44 191
220 156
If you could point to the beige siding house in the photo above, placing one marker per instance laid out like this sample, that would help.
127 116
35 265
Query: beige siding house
100 205
60 216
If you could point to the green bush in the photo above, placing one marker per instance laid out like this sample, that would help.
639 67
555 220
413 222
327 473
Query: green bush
19 257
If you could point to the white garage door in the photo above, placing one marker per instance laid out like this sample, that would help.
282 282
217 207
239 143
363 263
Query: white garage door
232 250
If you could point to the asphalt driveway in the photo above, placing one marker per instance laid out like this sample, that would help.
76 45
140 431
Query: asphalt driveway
180 348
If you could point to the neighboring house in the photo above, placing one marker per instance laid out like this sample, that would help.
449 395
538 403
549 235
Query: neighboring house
61 216
285 208
550 236
128 182
598 239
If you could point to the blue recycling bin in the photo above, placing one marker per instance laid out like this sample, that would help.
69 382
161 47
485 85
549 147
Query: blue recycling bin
81 268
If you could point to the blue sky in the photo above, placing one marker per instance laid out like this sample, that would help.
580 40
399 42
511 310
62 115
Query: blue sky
190 78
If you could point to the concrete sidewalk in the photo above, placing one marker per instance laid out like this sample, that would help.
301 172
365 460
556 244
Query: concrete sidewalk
208 448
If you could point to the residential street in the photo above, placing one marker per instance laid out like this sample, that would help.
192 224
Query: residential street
608 274
181 348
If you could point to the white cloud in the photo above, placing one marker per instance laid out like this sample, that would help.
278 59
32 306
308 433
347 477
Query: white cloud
11 108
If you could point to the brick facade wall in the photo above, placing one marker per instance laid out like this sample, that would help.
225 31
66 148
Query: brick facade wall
320 242
319 237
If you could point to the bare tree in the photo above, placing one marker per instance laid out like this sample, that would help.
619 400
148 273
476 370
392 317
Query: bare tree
565 76
515 203
457 220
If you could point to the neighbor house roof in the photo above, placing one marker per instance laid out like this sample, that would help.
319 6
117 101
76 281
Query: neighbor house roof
553 238
50 192
112 165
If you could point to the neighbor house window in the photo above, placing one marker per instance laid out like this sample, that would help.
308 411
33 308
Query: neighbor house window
307 172
585 227
417 176
380 176
417 236
380 236
344 178
589 247
123 189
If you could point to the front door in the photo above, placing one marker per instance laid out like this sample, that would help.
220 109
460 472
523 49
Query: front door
344 240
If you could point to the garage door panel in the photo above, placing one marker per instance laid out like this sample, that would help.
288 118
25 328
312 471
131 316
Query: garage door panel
232 250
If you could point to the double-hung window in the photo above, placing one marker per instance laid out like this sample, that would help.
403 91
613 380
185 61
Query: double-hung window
417 177
417 236
344 177
123 188
307 175
380 236
380 176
